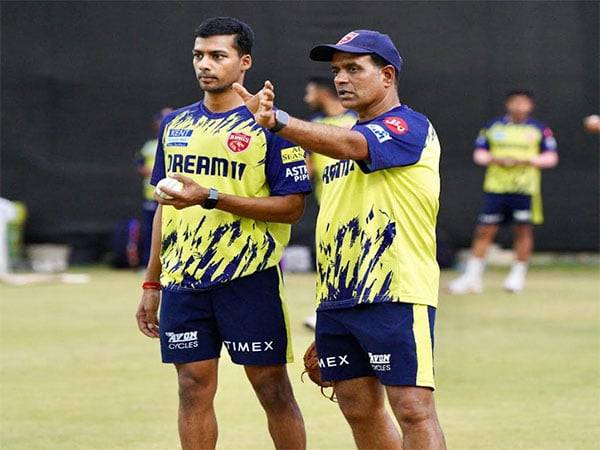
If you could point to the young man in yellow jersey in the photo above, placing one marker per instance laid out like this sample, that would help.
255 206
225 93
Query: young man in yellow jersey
217 243
377 277
321 97
514 149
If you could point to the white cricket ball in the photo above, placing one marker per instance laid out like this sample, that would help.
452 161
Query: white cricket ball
169 183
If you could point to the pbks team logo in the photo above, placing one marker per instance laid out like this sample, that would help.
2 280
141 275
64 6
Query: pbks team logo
396 125
347 38
238 142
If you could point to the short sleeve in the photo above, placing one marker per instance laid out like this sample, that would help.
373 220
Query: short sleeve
548 142
285 167
393 141
482 139
158 171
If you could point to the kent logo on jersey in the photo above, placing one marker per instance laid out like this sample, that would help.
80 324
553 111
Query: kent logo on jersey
231 153
179 137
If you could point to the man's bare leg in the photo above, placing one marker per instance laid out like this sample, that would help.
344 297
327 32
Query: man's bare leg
274 391
515 281
362 401
197 420
484 236
523 241
414 409
471 281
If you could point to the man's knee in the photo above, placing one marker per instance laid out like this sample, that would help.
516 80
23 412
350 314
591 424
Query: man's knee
196 388
272 387
486 232
413 410
358 407
523 230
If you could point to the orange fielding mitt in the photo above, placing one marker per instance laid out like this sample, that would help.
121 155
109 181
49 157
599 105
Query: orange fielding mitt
311 367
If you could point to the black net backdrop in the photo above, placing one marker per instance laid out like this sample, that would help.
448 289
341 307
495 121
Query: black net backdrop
80 81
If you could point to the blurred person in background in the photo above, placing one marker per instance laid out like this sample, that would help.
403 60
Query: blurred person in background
514 149
321 97
144 163
8 213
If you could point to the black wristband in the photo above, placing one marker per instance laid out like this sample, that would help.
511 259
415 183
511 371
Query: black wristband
281 120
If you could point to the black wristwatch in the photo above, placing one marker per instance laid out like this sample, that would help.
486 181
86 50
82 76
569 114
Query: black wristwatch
281 120
211 200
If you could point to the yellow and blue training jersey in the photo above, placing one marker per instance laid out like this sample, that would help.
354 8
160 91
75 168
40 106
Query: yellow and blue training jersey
145 158
375 232
229 152
318 161
506 139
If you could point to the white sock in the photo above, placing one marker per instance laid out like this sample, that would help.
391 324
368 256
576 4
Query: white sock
519 267
475 267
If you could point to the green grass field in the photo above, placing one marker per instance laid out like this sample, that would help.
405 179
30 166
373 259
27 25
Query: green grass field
513 372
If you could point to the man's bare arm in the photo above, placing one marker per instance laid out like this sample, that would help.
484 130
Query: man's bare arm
147 310
335 142
279 208
545 160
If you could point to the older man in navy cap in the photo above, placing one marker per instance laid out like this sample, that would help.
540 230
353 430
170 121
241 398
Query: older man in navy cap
377 280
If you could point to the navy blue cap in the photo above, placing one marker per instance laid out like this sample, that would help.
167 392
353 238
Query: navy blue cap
361 42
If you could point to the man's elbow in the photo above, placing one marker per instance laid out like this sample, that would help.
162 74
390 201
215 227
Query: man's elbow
355 147
295 214
294 217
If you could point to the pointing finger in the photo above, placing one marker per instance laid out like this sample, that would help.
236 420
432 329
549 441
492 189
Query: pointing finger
241 91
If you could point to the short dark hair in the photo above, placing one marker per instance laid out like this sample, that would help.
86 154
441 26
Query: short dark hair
381 63
324 82
524 92
217 26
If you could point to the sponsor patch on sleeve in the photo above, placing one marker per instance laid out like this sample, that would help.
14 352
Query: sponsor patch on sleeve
550 143
379 132
292 154
396 125
481 141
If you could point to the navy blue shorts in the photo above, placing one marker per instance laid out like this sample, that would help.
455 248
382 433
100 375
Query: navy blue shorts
247 315
391 341
505 208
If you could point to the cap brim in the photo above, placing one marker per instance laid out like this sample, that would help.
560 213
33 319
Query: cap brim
325 52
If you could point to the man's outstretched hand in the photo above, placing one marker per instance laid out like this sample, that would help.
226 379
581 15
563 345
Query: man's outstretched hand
260 104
